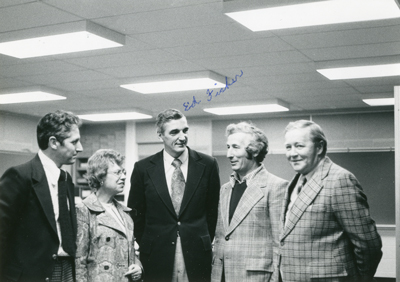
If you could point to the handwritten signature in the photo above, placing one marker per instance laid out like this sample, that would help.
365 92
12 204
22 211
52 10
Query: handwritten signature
209 93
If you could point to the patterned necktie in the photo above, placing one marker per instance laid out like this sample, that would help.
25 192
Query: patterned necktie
301 185
67 236
177 185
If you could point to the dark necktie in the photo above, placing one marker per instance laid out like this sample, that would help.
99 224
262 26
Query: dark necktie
67 235
177 185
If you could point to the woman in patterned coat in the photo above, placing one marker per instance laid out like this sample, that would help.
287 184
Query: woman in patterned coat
105 243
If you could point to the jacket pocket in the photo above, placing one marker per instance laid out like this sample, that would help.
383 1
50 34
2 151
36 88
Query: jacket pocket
318 269
206 242
259 265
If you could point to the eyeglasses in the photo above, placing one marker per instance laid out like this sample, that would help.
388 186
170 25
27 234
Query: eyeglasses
118 173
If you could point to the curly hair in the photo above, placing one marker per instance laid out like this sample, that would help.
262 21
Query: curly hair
98 165
57 124
258 147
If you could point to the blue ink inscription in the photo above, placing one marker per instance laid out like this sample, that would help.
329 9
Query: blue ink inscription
194 103
209 92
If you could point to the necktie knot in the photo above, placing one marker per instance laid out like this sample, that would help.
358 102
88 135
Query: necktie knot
177 163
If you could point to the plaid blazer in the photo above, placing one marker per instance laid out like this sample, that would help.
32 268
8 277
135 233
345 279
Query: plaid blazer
245 246
329 232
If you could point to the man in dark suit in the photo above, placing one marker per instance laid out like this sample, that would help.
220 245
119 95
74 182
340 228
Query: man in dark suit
174 198
37 207
328 234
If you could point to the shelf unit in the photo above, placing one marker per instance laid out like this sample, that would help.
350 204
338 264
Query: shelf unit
82 189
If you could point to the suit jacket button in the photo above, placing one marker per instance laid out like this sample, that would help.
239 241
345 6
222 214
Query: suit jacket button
47 279
227 238
173 243
54 256
282 243
179 223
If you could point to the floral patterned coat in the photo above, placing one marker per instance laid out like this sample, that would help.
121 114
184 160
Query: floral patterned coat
104 250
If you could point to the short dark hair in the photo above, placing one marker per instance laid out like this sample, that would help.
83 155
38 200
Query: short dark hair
259 143
166 116
317 135
98 163
57 124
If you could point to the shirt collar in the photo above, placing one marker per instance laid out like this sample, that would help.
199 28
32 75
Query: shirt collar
50 168
168 159
309 175
235 178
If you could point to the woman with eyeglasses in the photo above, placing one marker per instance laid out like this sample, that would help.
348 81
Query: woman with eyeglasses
105 242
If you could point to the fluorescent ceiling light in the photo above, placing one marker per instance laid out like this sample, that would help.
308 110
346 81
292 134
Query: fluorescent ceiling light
361 71
174 85
185 82
316 13
267 108
379 102
25 97
115 116
82 36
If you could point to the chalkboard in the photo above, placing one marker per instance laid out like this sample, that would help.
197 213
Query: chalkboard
374 170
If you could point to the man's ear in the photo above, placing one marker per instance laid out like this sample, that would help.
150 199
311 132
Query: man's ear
53 143
320 148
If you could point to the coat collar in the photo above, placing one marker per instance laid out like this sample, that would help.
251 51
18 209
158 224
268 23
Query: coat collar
307 196
252 195
103 218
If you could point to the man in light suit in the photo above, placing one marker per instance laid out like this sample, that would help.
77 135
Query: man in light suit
37 207
246 239
328 234
174 199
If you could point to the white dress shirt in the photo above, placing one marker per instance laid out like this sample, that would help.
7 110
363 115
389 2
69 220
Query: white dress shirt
52 174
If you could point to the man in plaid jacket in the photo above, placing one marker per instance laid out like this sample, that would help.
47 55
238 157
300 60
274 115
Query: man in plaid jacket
246 239
327 232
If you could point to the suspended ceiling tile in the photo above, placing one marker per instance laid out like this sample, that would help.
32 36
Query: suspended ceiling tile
32 15
166 19
354 51
47 67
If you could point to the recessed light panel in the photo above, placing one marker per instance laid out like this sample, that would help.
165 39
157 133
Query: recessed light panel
115 116
316 13
267 108
361 71
25 97
379 102
174 85
55 44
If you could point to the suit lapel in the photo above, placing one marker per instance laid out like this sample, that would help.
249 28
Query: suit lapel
157 176
41 187
307 196
252 195
225 199
194 175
